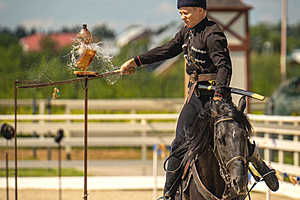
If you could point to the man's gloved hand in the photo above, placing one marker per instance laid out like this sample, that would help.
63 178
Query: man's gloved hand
128 67
216 103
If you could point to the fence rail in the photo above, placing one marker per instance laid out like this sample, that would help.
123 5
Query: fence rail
132 105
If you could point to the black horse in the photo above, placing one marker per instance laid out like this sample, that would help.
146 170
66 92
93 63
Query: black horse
216 165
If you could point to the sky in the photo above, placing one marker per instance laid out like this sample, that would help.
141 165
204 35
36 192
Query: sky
118 14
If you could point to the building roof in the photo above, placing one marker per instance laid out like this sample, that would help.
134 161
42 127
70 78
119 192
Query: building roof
32 42
227 4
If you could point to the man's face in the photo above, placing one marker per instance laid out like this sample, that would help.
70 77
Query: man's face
191 15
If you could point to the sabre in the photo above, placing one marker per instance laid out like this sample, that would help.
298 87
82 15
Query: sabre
235 91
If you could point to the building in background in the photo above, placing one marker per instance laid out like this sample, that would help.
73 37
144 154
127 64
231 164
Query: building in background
233 17
34 42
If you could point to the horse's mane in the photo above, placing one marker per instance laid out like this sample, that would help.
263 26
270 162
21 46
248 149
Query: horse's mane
203 129
204 126
230 110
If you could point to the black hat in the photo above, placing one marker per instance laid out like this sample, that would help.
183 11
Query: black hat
191 3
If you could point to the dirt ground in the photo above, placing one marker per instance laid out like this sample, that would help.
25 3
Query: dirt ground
103 195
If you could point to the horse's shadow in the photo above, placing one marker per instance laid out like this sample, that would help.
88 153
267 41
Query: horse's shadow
216 165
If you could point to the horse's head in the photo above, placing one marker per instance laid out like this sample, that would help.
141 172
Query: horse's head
231 131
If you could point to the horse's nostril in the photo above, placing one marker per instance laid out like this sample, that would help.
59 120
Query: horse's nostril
235 186
238 186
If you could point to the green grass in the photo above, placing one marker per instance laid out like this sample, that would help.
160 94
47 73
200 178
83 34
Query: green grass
40 172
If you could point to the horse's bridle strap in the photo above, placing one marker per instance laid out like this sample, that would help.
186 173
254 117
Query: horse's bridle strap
223 119
236 158
200 186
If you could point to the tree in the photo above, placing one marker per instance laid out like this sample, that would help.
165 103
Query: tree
21 32
7 39
103 32
49 45
74 29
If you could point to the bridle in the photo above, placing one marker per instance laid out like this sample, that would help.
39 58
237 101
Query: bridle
224 166
242 158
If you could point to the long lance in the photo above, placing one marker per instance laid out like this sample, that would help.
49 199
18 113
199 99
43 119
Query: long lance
37 84
235 91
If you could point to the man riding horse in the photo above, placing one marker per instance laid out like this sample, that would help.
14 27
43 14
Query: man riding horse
208 62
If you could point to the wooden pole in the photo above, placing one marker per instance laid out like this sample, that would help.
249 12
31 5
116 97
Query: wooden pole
7 187
155 152
85 136
59 172
15 137
283 40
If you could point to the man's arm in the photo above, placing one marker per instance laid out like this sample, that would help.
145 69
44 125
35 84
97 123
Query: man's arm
219 54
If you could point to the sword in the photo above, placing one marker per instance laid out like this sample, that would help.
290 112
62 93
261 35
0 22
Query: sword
235 91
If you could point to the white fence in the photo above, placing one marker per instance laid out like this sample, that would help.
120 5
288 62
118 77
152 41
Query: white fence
131 105
275 135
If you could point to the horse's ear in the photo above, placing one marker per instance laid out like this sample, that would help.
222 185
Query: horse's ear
242 104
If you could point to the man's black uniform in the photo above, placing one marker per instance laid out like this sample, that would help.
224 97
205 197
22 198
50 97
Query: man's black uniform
205 52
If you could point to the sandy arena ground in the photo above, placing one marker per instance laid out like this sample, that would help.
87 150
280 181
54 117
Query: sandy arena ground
103 195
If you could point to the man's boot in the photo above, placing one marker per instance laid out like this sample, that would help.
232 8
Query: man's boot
268 174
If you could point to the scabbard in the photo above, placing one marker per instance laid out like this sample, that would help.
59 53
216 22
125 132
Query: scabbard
235 91
191 91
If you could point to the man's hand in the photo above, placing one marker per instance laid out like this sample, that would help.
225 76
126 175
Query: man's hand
216 103
128 67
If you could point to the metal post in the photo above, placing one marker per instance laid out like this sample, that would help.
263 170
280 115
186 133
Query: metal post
85 136
283 40
155 152
7 187
16 151
268 194
59 172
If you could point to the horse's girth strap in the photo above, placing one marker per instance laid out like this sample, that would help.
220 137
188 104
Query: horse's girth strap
200 186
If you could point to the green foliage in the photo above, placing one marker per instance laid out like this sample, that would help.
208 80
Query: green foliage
74 29
262 33
49 45
130 50
103 32
7 39
265 72
51 65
